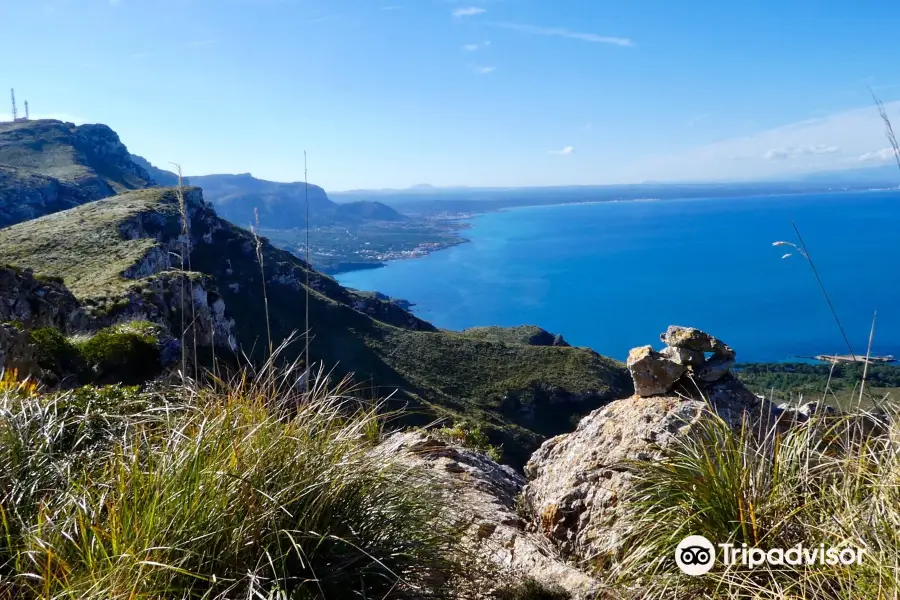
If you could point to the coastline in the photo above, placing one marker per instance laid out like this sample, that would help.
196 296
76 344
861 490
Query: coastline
462 219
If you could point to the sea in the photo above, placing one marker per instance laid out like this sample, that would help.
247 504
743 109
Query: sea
614 275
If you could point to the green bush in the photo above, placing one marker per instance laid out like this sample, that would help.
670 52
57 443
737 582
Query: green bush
469 436
126 353
56 353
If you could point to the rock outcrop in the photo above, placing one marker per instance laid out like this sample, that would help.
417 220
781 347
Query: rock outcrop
486 495
579 482
49 166
37 302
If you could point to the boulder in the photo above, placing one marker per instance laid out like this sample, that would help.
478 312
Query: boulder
486 493
579 482
653 373
693 339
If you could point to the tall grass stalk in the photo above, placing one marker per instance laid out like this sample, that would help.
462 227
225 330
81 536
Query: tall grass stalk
186 273
262 271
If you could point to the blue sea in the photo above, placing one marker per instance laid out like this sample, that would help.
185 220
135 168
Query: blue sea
614 275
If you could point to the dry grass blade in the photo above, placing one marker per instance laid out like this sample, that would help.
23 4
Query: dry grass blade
888 128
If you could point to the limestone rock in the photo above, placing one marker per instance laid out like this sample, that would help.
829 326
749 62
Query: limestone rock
694 339
683 356
714 369
578 482
652 372
485 493
36 302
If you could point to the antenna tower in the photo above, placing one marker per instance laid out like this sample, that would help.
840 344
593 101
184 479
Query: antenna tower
15 113
26 111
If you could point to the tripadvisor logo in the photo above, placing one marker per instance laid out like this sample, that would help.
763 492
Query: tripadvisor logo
696 555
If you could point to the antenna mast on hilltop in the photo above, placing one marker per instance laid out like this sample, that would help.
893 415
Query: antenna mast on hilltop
26 111
15 113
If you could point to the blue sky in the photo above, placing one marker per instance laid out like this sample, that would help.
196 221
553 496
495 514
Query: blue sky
392 93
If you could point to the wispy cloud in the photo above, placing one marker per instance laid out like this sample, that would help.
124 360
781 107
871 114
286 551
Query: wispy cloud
797 151
485 70
469 11
883 155
587 127
566 33
841 140
141 55
474 47
391 7
564 152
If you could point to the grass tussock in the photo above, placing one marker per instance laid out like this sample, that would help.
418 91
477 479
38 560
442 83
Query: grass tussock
833 481
214 491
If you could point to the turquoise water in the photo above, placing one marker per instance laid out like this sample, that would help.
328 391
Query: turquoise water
612 276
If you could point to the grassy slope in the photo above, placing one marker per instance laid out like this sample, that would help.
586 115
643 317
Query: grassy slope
84 245
518 392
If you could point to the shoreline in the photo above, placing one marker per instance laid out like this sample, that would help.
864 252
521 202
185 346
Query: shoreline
463 217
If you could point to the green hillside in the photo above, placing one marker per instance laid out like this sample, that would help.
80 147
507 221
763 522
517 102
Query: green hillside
519 392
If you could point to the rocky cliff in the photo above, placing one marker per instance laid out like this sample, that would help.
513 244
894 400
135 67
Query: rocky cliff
47 166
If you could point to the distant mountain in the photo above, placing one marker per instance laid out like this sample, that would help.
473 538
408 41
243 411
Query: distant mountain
283 205
882 176
160 176
47 166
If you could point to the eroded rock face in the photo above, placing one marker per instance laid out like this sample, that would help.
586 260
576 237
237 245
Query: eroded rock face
578 482
16 351
485 493
653 373
37 302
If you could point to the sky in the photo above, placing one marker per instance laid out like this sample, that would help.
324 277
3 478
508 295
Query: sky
394 93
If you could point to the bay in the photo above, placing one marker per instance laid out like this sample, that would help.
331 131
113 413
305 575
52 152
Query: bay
613 275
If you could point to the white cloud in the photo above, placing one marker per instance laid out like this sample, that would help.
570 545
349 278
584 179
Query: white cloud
829 143
469 11
474 47
882 155
485 70
566 33
564 152
795 151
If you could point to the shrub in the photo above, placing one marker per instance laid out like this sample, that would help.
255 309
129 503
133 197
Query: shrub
126 353
55 353
469 436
